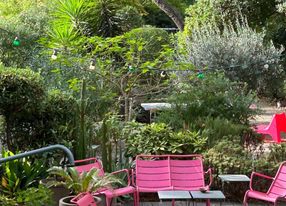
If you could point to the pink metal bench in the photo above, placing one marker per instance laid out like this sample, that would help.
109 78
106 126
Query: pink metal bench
276 192
87 164
169 172
274 128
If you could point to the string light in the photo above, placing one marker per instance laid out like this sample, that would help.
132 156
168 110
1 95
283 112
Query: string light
55 54
16 42
92 64
163 74
201 75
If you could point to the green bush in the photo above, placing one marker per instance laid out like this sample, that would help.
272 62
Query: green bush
218 128
241 54
34 196
19 175
21 97
33 118
217 11
153 38
28 26
58 118
130 18
40 196
213 96
268 161
229 157
160 139
7 201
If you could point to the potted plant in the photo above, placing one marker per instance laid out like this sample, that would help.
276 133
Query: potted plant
77 182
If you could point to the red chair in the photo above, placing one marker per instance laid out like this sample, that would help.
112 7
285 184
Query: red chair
276 192
87 164
274 128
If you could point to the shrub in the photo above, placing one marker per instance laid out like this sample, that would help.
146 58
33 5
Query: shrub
130 18
241 54
160 139
268 161
34 119
218 128
58 118
40 196
21 97
19 175
153 38
229 157
217 11
7 201
28 26
213 96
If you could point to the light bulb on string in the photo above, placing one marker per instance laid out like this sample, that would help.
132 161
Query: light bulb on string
16 42
131 69
92 64
163 74
55 54
201 75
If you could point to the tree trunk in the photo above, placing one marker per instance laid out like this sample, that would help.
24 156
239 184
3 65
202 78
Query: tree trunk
173 13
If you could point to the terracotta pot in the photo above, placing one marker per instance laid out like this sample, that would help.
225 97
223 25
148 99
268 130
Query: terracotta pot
65 201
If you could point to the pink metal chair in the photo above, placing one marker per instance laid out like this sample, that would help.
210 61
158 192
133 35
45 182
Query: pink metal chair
169 172
274 128
84 199
90 163
276 191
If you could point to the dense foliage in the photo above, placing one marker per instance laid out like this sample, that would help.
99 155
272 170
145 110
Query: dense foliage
195 99
241 54
93 62
28 26
160 139
33 117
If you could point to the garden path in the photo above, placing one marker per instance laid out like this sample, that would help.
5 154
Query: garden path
267 112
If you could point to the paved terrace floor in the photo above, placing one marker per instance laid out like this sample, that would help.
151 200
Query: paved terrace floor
182 203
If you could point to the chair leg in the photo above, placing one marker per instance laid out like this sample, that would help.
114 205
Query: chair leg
137 199
245 200
208 202
108 201
134 199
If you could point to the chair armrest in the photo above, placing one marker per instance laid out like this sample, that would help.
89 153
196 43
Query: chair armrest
211 177
122 171
259 175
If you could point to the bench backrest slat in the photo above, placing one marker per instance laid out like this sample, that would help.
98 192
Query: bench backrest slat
188 174
182 172
278 186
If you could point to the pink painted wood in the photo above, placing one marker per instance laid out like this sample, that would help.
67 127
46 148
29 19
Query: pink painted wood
88 164
169 172
276 192
274 128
